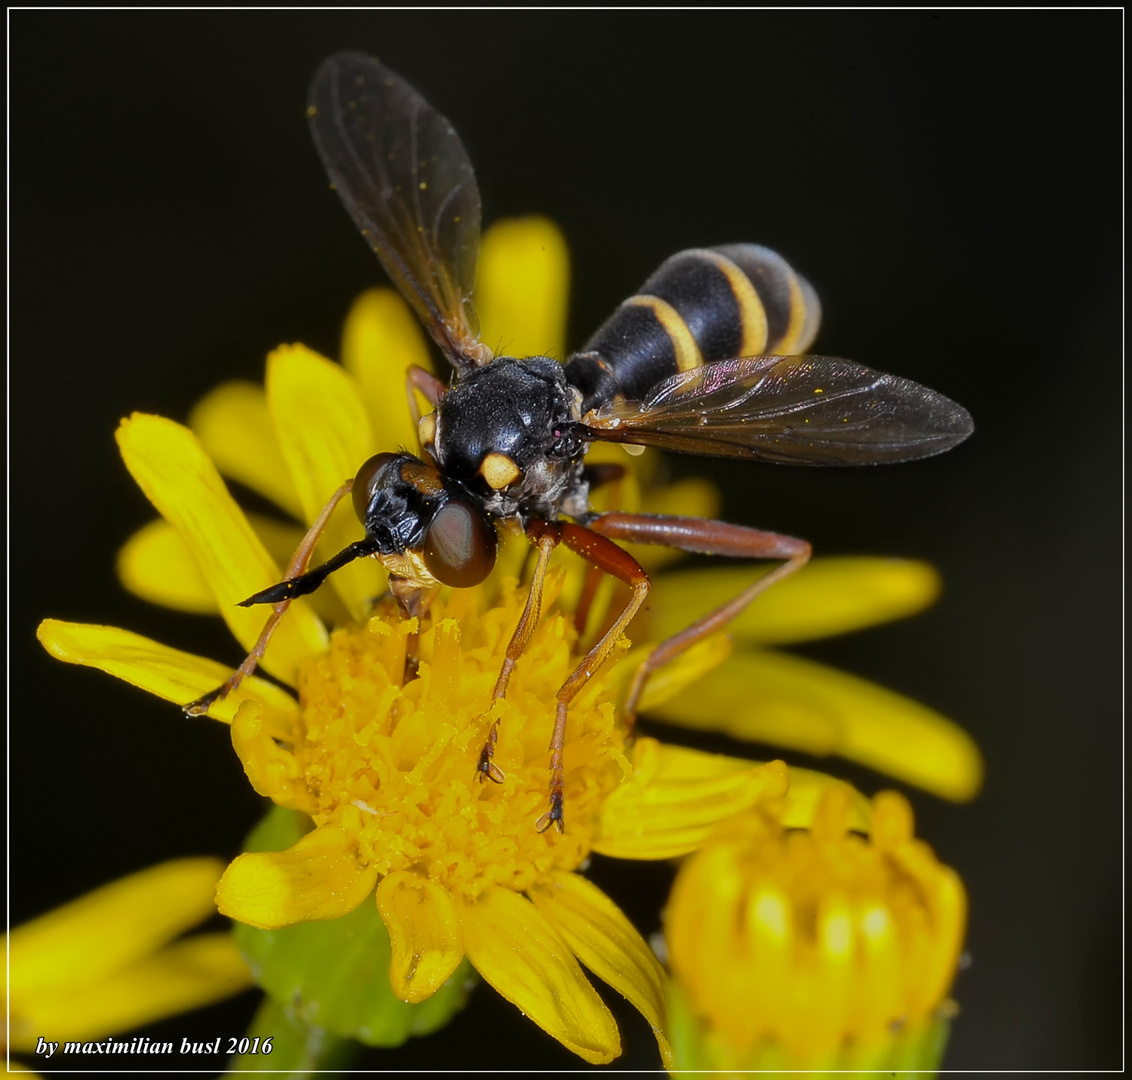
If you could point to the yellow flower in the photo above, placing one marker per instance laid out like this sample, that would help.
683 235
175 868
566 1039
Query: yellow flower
815 949
383 763
108 962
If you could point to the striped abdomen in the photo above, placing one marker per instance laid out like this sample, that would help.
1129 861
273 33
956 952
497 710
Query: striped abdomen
702 305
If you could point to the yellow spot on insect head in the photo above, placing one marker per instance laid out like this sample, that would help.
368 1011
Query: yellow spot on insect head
424 185
499 471
818 390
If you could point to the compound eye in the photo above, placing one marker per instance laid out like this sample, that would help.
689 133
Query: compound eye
459 547
365 483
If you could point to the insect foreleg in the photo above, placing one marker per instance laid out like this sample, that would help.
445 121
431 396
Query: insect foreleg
299 561
532 610
707 538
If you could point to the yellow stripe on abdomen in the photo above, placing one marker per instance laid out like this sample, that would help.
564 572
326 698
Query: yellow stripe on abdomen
752 313
688 355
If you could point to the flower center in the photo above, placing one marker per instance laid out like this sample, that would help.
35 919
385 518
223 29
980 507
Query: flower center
394 722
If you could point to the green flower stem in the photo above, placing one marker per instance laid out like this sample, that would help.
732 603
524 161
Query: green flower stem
297 1049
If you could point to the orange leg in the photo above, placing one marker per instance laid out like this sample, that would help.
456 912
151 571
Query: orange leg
606 555
486 768
281 596
594 543
708 538
419 378
586 599
597 476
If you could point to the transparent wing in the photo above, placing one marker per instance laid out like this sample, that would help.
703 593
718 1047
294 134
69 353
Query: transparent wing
806 410
404 176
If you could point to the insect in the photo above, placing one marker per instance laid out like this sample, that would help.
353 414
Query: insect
708 358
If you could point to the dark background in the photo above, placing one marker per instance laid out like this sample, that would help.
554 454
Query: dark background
951 183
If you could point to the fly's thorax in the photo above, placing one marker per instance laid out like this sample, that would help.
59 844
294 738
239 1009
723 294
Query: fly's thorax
508 432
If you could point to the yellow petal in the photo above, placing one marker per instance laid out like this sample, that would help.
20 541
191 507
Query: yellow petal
156 564
522 287
381 340
424 933
325 436
173 471
804 800
113 926
692 495
235 428
608 944
949 903
829 596
317 878
689 667
786 701
518 952
187 975
271 769
169 673
676 796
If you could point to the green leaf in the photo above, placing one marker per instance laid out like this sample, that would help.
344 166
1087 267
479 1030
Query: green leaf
278 830
334 975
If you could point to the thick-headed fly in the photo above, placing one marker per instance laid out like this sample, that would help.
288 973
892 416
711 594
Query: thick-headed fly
707 358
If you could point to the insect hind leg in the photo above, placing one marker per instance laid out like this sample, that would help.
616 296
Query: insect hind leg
607 556
706 537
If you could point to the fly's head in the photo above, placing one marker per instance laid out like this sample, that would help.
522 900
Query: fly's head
429 530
